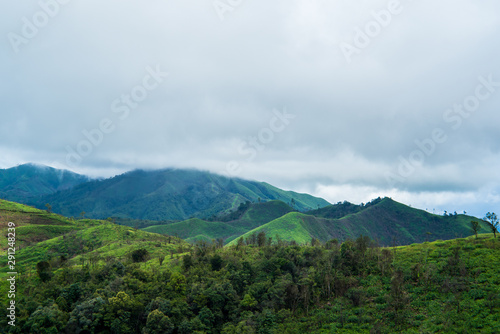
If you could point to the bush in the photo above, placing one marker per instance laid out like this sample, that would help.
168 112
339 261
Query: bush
140 255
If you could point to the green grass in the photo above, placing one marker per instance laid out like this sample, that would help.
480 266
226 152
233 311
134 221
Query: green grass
42 236
288 227
16 207
385 221
197 228
33 225
261 213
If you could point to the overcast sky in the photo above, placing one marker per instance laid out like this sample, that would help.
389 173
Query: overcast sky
347 100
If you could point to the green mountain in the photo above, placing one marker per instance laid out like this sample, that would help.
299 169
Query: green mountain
247 217
170 194
98 277
196 229
30 180
383 220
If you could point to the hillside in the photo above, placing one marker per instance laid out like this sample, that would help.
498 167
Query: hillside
261 213
62 242
33 225
247 217
29 180
105 278
383 220
196 229
170 194
36 229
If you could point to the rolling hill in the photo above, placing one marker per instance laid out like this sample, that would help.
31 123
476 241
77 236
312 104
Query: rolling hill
252 216
384 220
42 236
32 225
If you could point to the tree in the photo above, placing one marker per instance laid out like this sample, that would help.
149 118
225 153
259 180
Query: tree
241 243
48 319
261 239
216 262
475 227
187 262
219 243
122 313
397 297
49 207
43 271
492 220
157 322
248 302
315 242
177 283
140 255
87 316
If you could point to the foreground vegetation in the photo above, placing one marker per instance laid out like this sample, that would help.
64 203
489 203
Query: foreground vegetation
353 287
90 276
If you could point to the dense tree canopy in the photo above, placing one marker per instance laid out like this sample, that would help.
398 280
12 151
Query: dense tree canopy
280 287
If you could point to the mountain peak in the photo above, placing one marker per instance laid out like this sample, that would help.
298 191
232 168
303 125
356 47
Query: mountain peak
29 180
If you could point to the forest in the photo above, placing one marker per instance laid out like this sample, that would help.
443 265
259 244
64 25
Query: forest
261 285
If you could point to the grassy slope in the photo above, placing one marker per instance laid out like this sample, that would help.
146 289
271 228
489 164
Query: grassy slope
194 229
437 308
46 237
291 226
390 219
32 225
197 229
383 221
261 213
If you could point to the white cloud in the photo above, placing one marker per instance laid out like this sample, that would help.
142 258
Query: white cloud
353 121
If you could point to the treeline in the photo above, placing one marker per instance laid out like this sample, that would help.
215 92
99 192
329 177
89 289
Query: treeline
260 286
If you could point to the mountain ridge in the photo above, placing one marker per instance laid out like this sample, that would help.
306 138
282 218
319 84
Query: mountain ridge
384 220
164 194
31 180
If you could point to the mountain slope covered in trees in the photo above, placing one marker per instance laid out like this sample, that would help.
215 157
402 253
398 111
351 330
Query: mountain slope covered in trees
169 194
30 180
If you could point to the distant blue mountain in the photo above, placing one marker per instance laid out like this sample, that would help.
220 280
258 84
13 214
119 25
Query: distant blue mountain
24 182
168 194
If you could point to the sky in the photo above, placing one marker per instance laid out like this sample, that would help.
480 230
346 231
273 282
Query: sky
346 100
